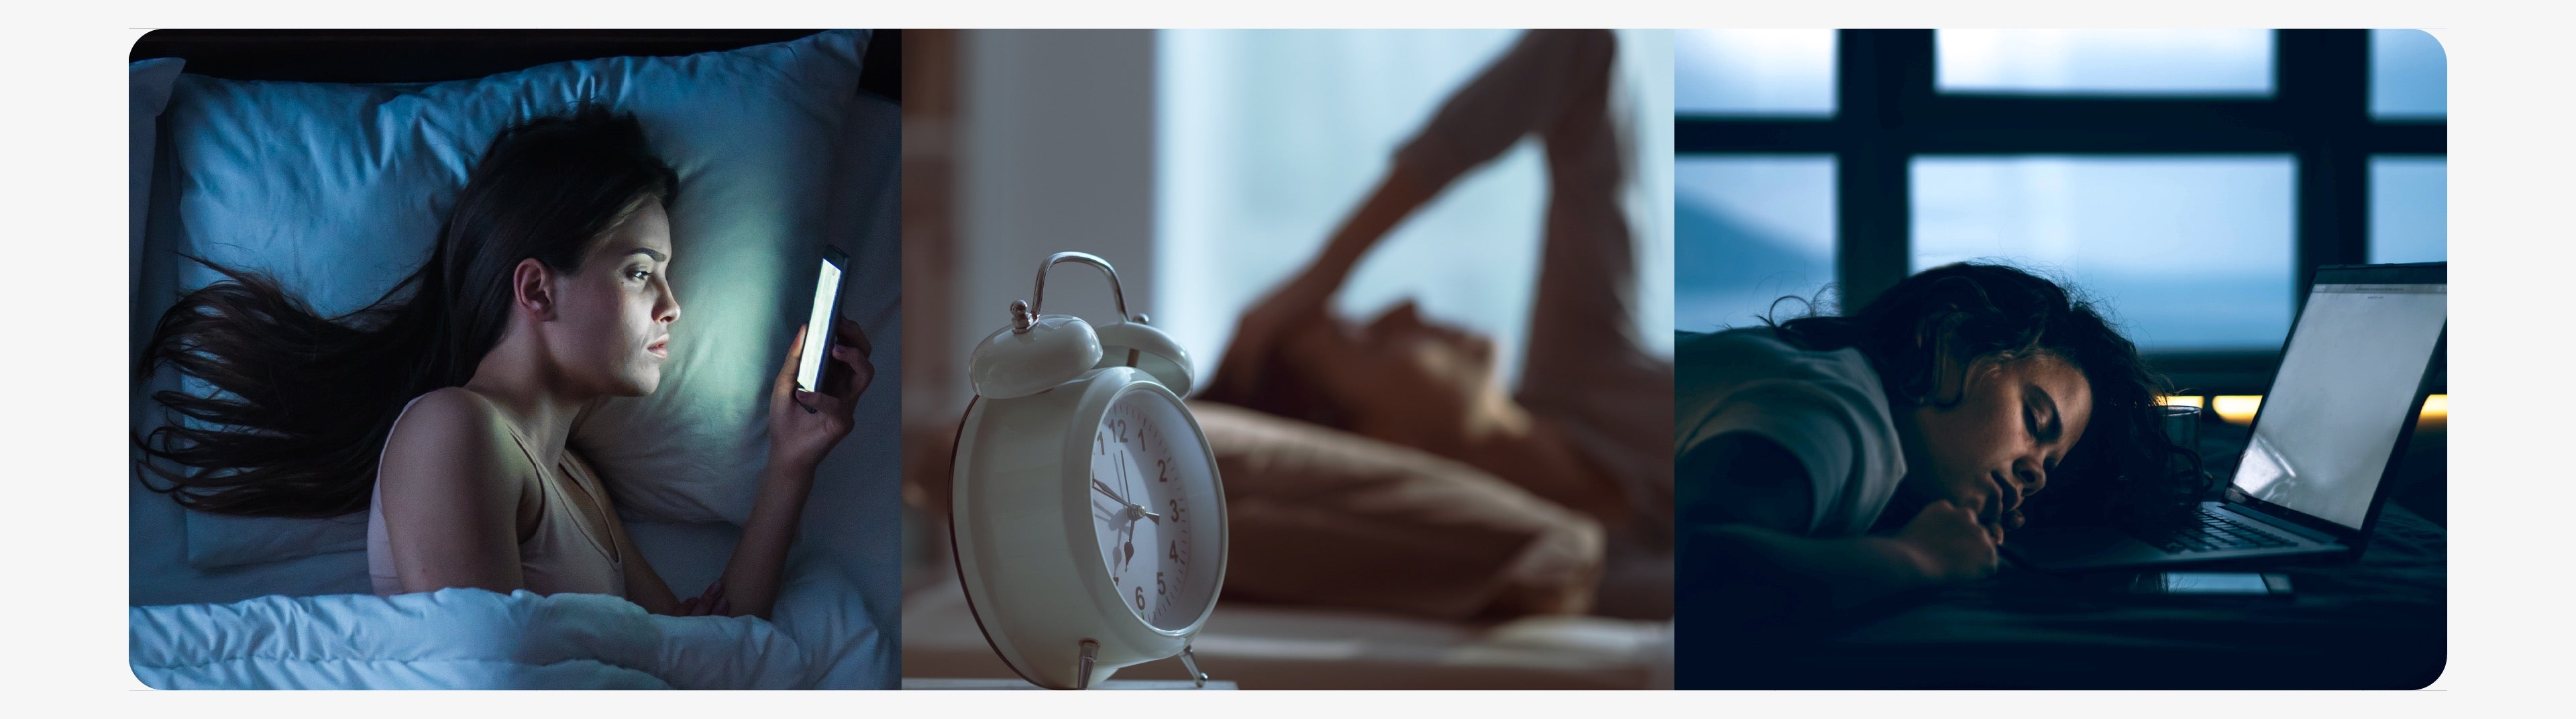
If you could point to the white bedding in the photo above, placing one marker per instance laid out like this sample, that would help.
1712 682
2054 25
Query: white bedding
454 639
1283 647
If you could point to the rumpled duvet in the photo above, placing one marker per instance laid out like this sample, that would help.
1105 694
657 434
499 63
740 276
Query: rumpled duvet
454 639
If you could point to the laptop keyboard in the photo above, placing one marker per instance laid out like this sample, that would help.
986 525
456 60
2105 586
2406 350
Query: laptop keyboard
2215 532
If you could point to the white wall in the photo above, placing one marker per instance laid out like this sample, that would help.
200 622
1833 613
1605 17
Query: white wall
1055 152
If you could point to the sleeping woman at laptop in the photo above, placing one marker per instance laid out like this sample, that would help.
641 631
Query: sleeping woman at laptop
1825 461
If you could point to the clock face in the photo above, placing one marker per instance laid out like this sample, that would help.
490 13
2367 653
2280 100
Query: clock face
1153 508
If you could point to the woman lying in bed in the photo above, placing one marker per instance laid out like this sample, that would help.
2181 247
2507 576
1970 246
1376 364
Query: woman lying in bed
1825 461
444 409
1385 465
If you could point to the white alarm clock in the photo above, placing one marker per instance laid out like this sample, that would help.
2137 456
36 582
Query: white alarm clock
1088 521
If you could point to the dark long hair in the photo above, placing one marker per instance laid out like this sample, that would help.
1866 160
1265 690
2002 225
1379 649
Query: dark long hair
1275 386
2124 467
301 403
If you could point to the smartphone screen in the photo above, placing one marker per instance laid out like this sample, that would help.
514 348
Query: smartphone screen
818 325
2205 583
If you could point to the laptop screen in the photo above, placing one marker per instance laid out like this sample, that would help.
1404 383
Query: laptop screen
2347 381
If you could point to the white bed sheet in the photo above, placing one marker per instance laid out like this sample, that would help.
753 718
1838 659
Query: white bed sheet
453 639
1283 647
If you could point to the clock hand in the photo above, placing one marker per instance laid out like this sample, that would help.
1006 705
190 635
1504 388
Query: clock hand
1122 475
1134 511
1113 494
1129 543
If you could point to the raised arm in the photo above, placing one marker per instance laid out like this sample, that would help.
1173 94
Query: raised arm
803 427
1519 94
1525 92
453 486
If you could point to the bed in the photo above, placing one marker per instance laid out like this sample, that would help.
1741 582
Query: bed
220 602
1269 646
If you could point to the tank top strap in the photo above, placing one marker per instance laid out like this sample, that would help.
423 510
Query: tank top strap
560 510
549 557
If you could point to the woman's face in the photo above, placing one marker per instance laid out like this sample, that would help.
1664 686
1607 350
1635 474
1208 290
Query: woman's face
1398 372
1994 449
616 311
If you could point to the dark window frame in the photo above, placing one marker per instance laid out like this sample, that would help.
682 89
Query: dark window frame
1887 111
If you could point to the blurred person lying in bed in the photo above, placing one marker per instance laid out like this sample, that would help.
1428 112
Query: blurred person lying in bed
444 409
1383 465
1826 461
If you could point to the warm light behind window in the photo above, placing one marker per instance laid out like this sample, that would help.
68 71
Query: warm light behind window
2185 401
2436 414
2239 408
2236 408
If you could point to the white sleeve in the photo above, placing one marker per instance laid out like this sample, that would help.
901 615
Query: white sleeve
1814 424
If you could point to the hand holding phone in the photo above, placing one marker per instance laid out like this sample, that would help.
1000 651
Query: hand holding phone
814 398
819 335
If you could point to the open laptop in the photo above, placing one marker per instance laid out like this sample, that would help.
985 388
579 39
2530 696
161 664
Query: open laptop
2325 443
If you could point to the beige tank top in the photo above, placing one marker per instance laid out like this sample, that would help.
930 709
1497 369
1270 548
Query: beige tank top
565 553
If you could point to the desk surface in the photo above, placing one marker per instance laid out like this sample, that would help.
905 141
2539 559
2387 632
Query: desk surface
922 683
2380 623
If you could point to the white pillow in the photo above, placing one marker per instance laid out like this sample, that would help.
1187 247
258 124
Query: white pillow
338 190
147 90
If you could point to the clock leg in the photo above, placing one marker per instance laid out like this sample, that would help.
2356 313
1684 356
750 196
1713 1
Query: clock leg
1090 655
1190 663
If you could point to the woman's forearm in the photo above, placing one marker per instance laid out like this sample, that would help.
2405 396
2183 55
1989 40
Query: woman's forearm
759 561
1846 571
1519 94
1396 196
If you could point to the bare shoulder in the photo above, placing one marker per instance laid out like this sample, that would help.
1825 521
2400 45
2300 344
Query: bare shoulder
454 490
452 438
451 418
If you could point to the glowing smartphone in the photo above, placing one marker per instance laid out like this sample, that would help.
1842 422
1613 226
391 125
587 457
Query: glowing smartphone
818 325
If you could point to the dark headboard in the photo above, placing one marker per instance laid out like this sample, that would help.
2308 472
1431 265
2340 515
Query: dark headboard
439 55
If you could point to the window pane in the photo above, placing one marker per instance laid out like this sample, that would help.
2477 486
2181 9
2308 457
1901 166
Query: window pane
1267 139
1252 182
1748 231
2105 62
2409 76
1753 72
2190 253
2409 208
